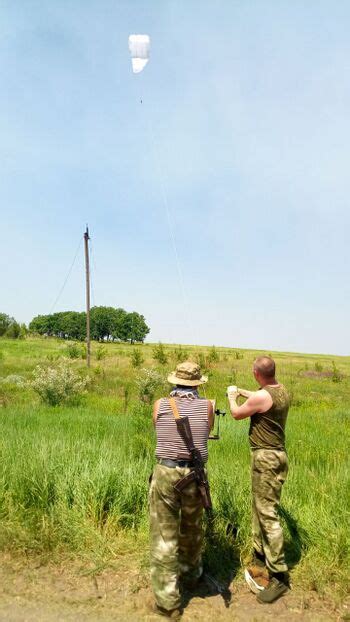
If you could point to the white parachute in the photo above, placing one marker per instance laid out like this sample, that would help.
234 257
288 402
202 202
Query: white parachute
139 46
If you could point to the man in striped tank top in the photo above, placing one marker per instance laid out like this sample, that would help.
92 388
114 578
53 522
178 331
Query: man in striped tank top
176 517
267 576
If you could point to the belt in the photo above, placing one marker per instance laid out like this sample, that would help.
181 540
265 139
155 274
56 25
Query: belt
175 463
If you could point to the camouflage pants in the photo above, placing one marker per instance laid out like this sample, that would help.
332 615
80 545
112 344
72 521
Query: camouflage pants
269 471
175 533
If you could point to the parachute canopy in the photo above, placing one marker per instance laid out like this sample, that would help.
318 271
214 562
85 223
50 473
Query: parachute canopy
139 46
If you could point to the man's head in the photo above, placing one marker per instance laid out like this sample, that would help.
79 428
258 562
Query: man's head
264 369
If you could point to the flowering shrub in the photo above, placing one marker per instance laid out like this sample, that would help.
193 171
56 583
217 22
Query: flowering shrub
58 384
13 379
148 382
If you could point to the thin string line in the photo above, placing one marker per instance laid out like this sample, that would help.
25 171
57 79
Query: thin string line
67 276
170 222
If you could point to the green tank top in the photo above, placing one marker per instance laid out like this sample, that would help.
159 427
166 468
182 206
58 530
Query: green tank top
267 429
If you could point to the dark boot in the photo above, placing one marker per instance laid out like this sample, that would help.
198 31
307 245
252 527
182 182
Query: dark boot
278 585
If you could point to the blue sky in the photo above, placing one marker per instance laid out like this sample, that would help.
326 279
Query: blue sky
243 130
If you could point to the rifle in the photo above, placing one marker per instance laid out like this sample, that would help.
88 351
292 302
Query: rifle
198 474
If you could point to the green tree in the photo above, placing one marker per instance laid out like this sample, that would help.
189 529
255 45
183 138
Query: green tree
40 324
13 331
106 323
102 322
5 322
136 328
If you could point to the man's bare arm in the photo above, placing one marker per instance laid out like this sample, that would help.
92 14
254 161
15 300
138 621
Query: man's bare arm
245 392
257 402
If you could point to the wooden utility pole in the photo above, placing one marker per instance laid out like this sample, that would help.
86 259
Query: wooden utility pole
87 275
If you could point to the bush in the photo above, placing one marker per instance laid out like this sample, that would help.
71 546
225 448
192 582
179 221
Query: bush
58 385
23 331
180 354
101 353
232 377
159 354
336 375
148 383
136 358
13 379
203 362
318 367
73 351
238 355
213 355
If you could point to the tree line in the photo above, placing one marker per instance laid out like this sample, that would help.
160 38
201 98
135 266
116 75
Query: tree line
106 324
10 328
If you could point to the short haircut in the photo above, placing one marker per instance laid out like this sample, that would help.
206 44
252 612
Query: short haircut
265 365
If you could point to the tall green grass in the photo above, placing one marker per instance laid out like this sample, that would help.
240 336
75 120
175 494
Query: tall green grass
74 479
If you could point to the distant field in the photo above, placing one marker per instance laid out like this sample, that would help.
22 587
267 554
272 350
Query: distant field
74 478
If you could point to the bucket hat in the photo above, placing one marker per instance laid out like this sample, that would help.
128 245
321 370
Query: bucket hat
187 374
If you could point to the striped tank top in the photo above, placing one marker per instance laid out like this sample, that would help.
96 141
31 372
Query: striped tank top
169 441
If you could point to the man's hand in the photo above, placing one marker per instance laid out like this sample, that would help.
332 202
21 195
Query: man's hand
232 392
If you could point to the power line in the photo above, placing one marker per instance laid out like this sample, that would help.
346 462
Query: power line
67 276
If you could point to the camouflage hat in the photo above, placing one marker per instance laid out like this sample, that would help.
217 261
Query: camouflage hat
187 374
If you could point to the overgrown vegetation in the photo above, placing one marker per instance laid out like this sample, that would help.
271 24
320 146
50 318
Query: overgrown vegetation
74 478
56 385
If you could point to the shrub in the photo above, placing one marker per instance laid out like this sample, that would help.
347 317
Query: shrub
232 377
202 361
58 385
238 355
159 354
318 367
336 375
136 358
180 354
213 355
101 353
23 331
73 350
13 379
148 383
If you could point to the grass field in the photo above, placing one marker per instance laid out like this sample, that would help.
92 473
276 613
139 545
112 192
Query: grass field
74 477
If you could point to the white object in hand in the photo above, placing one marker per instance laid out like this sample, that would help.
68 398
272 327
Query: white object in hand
232 391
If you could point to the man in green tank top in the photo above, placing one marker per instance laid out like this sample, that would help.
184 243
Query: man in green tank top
267 576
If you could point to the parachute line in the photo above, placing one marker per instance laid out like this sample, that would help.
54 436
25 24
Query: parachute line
139 47
171 228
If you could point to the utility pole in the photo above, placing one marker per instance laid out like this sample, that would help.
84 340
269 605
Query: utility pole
87 275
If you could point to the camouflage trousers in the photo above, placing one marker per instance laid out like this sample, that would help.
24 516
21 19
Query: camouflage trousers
269 471
176 535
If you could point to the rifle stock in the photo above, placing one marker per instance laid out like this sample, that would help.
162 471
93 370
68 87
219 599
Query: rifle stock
198 474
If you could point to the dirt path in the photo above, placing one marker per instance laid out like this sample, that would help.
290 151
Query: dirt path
30 592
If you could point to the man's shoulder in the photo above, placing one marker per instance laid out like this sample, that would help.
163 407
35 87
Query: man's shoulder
263 400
